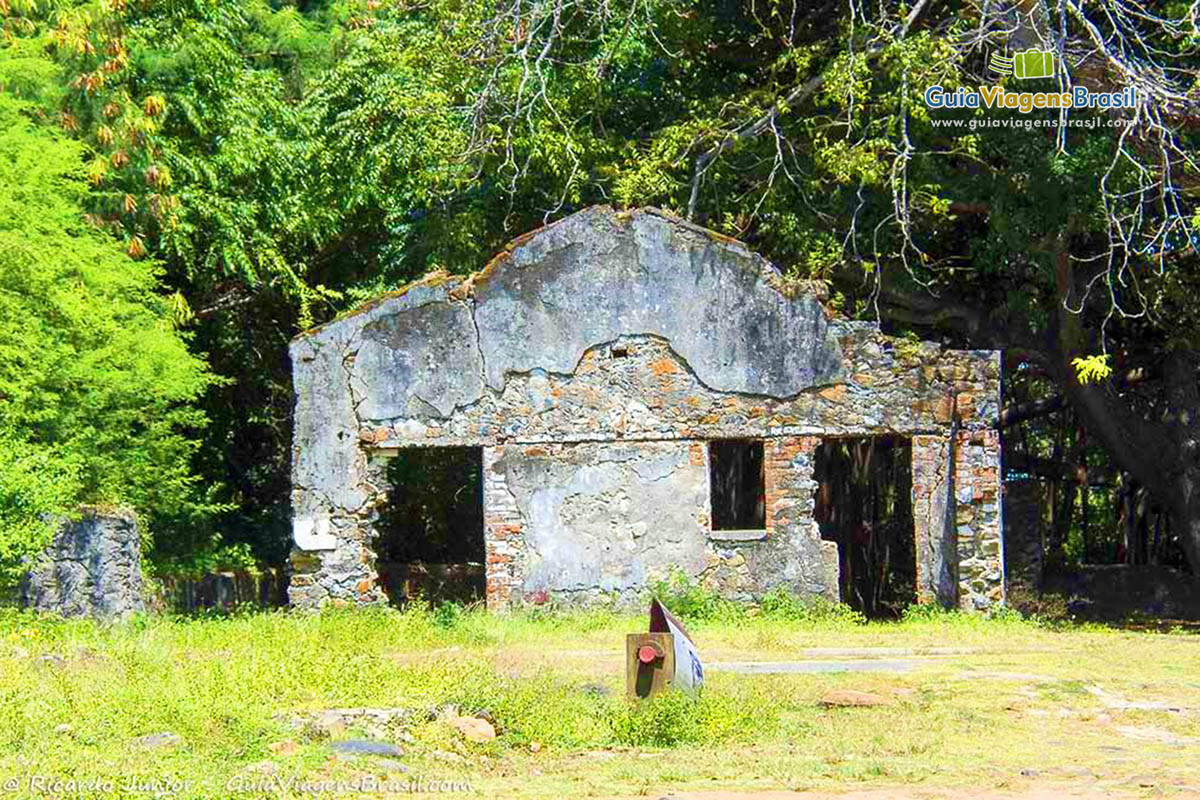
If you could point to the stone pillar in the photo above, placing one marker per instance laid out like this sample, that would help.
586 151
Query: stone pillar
93 567
334 558
800 557
337 481
978 519
932 479
503 537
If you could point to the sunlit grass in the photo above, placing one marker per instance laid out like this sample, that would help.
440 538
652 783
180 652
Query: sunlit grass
987 697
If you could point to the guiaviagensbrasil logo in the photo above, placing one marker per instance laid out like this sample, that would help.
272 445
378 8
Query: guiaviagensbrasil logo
1030 64
1027 65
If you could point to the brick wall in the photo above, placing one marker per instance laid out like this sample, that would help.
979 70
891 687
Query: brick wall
502 532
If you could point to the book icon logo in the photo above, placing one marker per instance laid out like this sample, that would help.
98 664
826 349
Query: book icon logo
1029 64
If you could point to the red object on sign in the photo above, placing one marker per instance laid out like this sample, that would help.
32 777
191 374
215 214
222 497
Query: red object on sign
646 654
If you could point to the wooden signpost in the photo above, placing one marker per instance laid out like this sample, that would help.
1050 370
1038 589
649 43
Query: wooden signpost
661 659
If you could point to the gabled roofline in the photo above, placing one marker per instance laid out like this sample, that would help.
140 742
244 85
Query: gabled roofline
461 286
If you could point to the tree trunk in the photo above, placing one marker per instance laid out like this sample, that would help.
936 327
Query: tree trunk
1161 454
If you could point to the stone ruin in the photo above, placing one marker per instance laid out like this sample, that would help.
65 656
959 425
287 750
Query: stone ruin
603 369
93 567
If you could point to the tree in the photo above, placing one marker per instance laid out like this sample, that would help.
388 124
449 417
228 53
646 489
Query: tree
96 385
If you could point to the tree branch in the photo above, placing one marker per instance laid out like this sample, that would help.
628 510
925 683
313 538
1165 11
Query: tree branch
766 122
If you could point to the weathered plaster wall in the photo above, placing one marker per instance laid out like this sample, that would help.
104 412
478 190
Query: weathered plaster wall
597 332
599 519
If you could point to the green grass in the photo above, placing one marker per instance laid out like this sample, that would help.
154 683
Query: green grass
990 698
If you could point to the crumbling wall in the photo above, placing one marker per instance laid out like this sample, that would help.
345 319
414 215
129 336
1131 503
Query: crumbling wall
958 518
599 520
978 519
609 342
93 567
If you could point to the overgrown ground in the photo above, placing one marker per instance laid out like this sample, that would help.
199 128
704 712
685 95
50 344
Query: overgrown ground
991 704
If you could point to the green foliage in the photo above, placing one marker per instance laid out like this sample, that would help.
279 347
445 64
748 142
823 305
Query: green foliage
203 558
688 599
36 483
675 718
284 161
1092 368
95 383
785 605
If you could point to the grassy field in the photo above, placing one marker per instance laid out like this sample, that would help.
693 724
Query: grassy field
998 703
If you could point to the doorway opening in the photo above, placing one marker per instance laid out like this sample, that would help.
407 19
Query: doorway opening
737 485
430 544
864 503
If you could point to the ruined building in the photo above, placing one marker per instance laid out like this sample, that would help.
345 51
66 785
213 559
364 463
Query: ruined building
622 394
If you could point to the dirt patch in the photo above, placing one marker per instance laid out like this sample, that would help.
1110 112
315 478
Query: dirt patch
1040 792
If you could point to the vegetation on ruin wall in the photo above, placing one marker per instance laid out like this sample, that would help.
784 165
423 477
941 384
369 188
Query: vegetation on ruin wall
286 161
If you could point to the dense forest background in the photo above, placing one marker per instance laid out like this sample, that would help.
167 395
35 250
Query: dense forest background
186 184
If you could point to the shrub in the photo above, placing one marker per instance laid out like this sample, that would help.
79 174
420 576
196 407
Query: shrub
675 718
96 384
689 600
783 604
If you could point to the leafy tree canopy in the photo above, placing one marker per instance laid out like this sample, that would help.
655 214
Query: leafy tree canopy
96 385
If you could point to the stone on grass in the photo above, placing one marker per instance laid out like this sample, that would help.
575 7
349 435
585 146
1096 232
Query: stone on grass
474 729
366 747
849 698
263 768
156 741
286 748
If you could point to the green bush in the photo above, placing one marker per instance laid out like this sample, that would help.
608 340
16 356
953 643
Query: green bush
96 385
783 604
689 600
675 718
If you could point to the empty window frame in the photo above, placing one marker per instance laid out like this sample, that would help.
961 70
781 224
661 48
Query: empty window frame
431 530
737 485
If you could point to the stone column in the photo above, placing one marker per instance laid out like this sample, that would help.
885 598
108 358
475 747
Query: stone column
337 481
93 567
503 536
334 558
978 519
793 551
937 578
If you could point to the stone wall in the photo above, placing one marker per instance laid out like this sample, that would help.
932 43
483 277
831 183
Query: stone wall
599 520
1116 592
978 519
958 519
587 359
93 567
